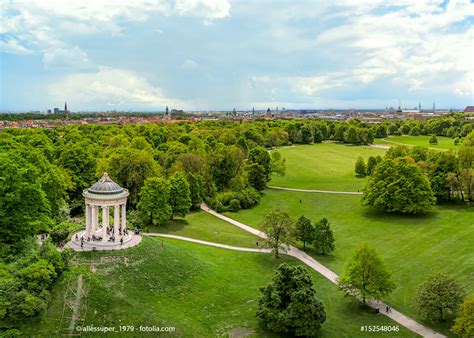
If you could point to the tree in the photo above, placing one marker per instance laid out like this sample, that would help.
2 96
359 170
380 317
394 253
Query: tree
433 139
323 237
180 195
318 136
24 208
261 156
196 189
439 296
304 230
360 167
277 164
277 225
257 177
366 275
352 136
130 168
289 304
464 323
305 135
371 164
339 132
398 186
154 208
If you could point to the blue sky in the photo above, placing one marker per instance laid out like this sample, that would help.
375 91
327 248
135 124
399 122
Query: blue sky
220 54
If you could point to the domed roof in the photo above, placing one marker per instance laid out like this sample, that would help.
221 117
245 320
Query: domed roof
105 186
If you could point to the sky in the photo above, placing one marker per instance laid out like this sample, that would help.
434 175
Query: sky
222 54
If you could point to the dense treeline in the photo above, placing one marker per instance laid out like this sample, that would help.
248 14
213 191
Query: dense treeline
410 180
168 169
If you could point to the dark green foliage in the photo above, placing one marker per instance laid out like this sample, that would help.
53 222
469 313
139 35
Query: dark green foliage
352 136
439 296
257 176
366 276
289 304
154 208
323 240
398 186
440 164
24 208
180 195
360 167
371 164
247 198
196 190
433 139
305 135
304 230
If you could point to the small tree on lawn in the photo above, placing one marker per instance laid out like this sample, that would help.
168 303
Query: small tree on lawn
371 164
304 230
464 323
366 275
289 304
277 225
433 139
360 167
323 237
439 296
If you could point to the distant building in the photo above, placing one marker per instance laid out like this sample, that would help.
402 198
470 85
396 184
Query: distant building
56 110
469 109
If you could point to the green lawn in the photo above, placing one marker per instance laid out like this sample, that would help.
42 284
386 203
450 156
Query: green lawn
443 142
412 246
206 227
326 166
199 290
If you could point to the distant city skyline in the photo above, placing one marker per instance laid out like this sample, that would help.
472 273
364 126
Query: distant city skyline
218 55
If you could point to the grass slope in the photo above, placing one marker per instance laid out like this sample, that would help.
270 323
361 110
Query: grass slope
206 227
413 247
443 142
326 166
200 290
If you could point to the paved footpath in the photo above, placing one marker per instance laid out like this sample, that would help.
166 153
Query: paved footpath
321 191
398 317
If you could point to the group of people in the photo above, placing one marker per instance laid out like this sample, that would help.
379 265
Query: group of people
109 231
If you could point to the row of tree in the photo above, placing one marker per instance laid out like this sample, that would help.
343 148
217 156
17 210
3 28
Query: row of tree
411 180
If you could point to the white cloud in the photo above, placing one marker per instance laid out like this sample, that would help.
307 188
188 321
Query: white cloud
120 88
12 46
189 64
209 10
61 57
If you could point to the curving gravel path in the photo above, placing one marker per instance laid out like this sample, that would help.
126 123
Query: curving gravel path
395 315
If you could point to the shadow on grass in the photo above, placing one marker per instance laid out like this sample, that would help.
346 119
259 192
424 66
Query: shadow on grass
396 216
174 225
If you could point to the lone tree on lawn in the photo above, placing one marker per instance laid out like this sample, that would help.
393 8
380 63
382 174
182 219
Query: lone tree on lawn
366 275
399 186
277 225
304 230
433 139
323 237
180 195
371 164
289 305
439 296
360 167
464 323
154 207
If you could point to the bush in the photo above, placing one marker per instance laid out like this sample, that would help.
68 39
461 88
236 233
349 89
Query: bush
234 201
62 231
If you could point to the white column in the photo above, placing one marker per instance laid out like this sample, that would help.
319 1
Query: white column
105 220
94 219
116 220
88 220
124 216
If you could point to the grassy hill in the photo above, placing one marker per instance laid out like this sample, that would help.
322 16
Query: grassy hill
199 290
